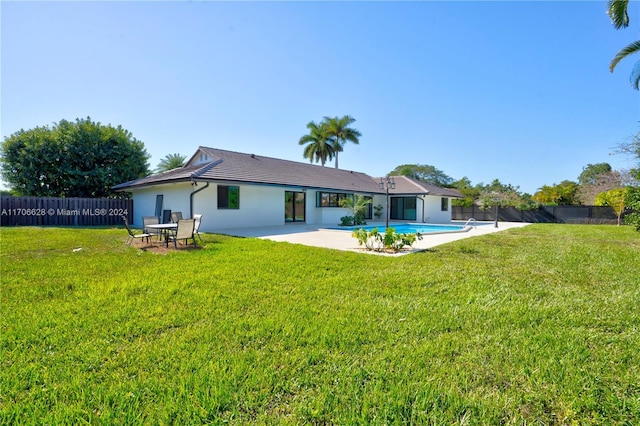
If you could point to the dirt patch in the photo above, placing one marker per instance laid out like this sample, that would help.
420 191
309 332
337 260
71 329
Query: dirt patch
159 247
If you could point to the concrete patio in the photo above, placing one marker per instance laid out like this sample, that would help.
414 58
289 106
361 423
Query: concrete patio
342 240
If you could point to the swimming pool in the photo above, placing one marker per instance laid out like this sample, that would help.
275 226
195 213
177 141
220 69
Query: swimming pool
411 228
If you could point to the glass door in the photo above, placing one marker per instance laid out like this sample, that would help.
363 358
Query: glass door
403 208
294 206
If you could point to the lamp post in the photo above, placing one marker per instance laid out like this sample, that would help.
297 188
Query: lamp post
497 199
387 183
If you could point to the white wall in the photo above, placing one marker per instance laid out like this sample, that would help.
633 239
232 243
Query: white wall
313 215
433 211
260 206
176 198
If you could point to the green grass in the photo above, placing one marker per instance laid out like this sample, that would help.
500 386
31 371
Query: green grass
537 325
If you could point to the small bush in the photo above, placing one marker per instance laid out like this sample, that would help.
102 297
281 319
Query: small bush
389 241
346 221
350 220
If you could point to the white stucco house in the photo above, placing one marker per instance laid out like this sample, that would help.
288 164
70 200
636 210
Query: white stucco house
236 190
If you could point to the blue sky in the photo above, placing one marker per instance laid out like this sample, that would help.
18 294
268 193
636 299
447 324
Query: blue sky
518 91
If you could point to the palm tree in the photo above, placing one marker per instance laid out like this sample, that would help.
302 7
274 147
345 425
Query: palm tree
318 143
620 19
341 133
358 204
170 162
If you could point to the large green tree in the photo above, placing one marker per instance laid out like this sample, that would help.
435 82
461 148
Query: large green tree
502 195
340 132
318 144
72 159
470 193
170 162
602 182
591 172
617 11
424 173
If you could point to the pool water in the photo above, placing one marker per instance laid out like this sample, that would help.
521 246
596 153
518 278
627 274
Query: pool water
410 228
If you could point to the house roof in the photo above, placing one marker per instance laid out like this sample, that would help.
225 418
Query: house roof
229 166
408 186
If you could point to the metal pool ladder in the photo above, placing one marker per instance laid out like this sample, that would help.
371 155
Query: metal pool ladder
472 220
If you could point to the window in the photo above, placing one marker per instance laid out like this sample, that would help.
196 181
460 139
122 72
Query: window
228 197
159 199
444 204
329 199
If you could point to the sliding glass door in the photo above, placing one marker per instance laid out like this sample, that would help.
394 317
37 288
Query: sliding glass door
403 208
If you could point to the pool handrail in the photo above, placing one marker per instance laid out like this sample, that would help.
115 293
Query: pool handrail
475 223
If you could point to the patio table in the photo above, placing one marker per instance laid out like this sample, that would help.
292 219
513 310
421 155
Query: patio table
165 228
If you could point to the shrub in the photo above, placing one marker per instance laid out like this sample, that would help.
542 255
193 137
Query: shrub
346 221
350 220
390 240
632 201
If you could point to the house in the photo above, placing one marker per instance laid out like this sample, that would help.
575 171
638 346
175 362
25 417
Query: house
236 190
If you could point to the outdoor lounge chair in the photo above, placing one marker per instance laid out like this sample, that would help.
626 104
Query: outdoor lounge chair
176 216
198 219
151 220
184 232
133 236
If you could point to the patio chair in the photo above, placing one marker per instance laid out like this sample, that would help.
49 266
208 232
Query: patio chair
166 216
151 220
133 236
176 216
184 232
198 219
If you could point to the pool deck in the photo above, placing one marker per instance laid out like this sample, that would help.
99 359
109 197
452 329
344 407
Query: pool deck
313 235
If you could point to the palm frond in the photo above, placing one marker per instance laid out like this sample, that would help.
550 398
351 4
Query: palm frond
635 76
629 50
617 11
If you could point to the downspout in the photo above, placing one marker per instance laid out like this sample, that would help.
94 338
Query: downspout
194 193
421 198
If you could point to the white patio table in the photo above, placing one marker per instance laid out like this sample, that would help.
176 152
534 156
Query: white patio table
165 228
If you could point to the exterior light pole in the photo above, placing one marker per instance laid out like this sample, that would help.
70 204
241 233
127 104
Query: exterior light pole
387 183
497 198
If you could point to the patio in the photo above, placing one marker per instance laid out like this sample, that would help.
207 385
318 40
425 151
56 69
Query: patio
342 240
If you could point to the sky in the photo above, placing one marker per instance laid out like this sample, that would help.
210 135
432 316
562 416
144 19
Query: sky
518 91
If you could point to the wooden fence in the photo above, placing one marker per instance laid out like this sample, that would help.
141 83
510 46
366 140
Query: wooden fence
43 211
544 214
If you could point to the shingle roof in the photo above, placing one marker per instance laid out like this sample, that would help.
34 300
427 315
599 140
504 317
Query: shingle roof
409 186
252 168
230 166
175 175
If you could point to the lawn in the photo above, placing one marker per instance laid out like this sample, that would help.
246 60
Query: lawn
536 325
